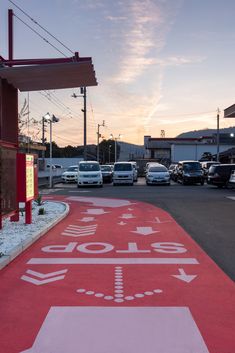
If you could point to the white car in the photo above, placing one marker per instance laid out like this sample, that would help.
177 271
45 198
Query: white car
157 174
123 173
89 174
70 175
231 181
135 170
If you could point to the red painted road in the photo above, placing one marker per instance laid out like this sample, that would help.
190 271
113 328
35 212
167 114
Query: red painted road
116 276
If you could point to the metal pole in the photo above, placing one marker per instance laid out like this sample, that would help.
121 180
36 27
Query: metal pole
98 148
50 154
85 125
10 34
109 152
115 149
43 137
217 136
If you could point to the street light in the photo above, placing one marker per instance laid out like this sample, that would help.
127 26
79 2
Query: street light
98 139
50 119
84 110
115 144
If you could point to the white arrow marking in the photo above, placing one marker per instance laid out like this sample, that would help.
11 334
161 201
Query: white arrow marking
38 282
127 216
184 277
95 211
121 223
87 219
46 275
145 230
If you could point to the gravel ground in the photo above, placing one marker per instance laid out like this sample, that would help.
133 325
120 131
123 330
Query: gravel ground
14 233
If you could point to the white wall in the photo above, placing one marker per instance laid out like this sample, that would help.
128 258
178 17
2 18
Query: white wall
193 151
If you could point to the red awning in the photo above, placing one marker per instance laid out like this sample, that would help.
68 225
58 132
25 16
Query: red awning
50 76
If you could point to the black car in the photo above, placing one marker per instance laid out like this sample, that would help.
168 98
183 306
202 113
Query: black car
190 172
107 173
219 174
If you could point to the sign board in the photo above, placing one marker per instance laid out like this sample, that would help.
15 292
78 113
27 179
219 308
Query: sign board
25 177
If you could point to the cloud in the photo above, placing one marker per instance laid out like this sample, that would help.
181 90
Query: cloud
143 37
116 18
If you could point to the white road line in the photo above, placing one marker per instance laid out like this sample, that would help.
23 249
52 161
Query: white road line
113 261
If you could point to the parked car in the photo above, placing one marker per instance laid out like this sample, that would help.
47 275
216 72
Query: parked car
157 174
135 170
89 174
70 175
231 181
190 172
123 173
206 165
219 175
107 173
171 170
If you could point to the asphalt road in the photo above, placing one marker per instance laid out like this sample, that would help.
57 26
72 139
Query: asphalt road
205 212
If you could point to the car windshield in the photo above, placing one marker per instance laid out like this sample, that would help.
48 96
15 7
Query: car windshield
157 169
192 166
72 169
105 168
122 167
89 167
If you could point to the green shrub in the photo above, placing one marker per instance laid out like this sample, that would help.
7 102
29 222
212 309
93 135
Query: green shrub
41 211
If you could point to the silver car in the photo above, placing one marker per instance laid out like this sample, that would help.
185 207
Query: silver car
157 174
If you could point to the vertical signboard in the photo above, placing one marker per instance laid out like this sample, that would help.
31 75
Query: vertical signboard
29 177
25 177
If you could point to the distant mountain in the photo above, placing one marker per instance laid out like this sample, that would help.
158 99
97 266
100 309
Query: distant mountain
206 132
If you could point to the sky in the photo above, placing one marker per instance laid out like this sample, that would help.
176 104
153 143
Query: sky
160 65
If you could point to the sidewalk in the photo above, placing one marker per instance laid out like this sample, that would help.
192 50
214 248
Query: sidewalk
15 237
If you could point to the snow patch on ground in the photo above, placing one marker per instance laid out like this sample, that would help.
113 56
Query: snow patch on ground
14 233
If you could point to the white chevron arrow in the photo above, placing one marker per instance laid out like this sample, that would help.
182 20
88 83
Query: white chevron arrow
145 230
49 277
184 277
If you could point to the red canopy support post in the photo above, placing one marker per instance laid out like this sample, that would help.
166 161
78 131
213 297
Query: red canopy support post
10 34
28 212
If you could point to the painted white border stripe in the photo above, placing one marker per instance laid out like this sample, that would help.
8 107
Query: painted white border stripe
113 261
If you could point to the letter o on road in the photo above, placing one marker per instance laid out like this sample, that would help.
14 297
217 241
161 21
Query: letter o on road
105 247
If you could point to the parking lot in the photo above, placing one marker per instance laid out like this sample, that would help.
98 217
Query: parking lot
205 212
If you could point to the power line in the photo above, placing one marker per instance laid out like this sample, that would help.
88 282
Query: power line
38 34
44 29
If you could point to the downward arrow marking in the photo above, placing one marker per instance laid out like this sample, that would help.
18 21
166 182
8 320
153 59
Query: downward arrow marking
144 230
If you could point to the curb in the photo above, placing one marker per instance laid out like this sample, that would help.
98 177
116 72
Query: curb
18 249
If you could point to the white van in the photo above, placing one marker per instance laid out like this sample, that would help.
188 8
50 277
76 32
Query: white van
123 173
89 173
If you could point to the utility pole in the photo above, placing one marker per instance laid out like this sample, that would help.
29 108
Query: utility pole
218 136
43 136
84 110
98 140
